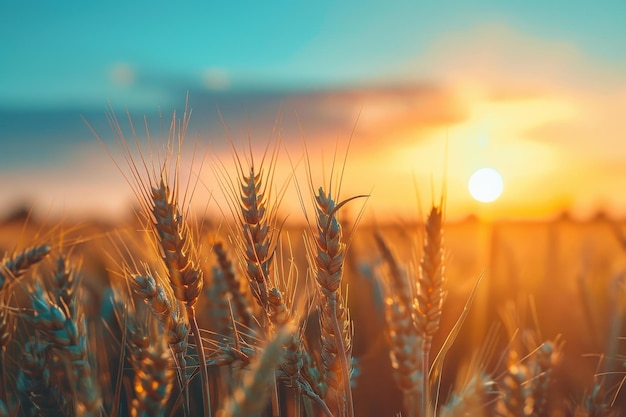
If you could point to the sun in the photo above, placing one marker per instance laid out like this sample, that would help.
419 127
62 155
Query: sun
486 185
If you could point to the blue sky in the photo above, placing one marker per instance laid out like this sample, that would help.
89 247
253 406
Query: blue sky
76 53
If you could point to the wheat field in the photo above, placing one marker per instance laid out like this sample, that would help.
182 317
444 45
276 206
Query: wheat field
175 313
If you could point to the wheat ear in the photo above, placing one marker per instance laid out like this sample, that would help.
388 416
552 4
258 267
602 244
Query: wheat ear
152 364
257 230
33 382
171 322
281 312
185 276
219 299
595 403
525 384
15 266
234 285
160 205
253 207
174 238
405 342
430 293
471 398
543 361
327 259
65 333
250 399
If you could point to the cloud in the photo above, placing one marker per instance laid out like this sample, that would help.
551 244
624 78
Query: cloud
122 74
216 79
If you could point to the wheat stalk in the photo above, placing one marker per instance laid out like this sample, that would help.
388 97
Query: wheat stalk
405 341
162 207
171 322
327 257
281 312
185 276
430 293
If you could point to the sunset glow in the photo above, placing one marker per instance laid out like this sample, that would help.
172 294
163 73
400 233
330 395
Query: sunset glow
539 107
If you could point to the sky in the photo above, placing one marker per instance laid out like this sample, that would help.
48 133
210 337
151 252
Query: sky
428 92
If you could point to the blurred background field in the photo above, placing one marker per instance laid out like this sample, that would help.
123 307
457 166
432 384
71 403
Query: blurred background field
551 280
